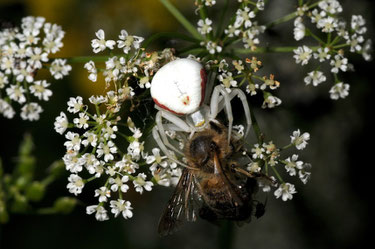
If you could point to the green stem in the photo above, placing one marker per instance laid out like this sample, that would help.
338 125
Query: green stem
184 22
260 50
84 59
172 35
277 174
226 234
255 126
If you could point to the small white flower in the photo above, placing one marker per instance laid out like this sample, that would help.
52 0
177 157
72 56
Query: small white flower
271 102
74 141
121 206
292 165
367 50
357 24
339 63
75 184
101 44
61 123
156 159
328 24
134 149
91 138
93 73
303 174
339 90
355 43
126 41
36 57
316 15
140 183
103 193
243 17
6 109
31 111
323 54
315 77
100 212
285 191
107 150
204 26
39 89
212 47
73 162
330 6
81 122
300 141
59 68
302 55
257 151
227 80
253 167
232 31
119 183
75 104
16 93
299 29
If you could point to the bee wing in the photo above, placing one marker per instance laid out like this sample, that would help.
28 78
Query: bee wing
183 205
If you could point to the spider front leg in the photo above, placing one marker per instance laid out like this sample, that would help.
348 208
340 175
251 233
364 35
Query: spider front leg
156 136
176 121
242 96
214 106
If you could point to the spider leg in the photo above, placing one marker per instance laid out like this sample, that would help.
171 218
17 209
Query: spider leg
215 101
242 96
176 121
156 135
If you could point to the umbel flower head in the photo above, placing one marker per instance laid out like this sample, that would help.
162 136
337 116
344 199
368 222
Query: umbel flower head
25 51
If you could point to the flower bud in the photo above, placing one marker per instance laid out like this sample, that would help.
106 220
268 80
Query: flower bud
65 205
20 204
35 191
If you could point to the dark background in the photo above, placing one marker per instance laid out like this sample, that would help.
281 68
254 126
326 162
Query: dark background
332 211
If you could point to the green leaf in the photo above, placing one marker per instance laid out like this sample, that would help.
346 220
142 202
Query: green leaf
184 22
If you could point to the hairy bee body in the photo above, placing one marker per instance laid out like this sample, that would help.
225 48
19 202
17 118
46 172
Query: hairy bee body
211 187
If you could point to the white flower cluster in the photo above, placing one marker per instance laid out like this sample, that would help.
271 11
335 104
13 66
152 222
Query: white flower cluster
243 71
92 152
340 35
94 142
136 64
25 50
244 26
267 154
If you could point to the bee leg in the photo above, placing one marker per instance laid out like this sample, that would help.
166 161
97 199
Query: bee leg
260 209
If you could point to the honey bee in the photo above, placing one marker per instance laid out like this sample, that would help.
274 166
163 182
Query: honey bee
214 187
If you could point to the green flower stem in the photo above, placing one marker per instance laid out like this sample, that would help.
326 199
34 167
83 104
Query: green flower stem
184 22
277 174
341 46
219 30
256 128
172 35
287 147
281 20
226 235
262 50
84 59
308 32
289 17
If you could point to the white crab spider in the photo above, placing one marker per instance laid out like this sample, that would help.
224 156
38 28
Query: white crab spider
178 89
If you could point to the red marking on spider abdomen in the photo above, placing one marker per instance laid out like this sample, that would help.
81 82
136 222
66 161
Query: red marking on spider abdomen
203 85
165 108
